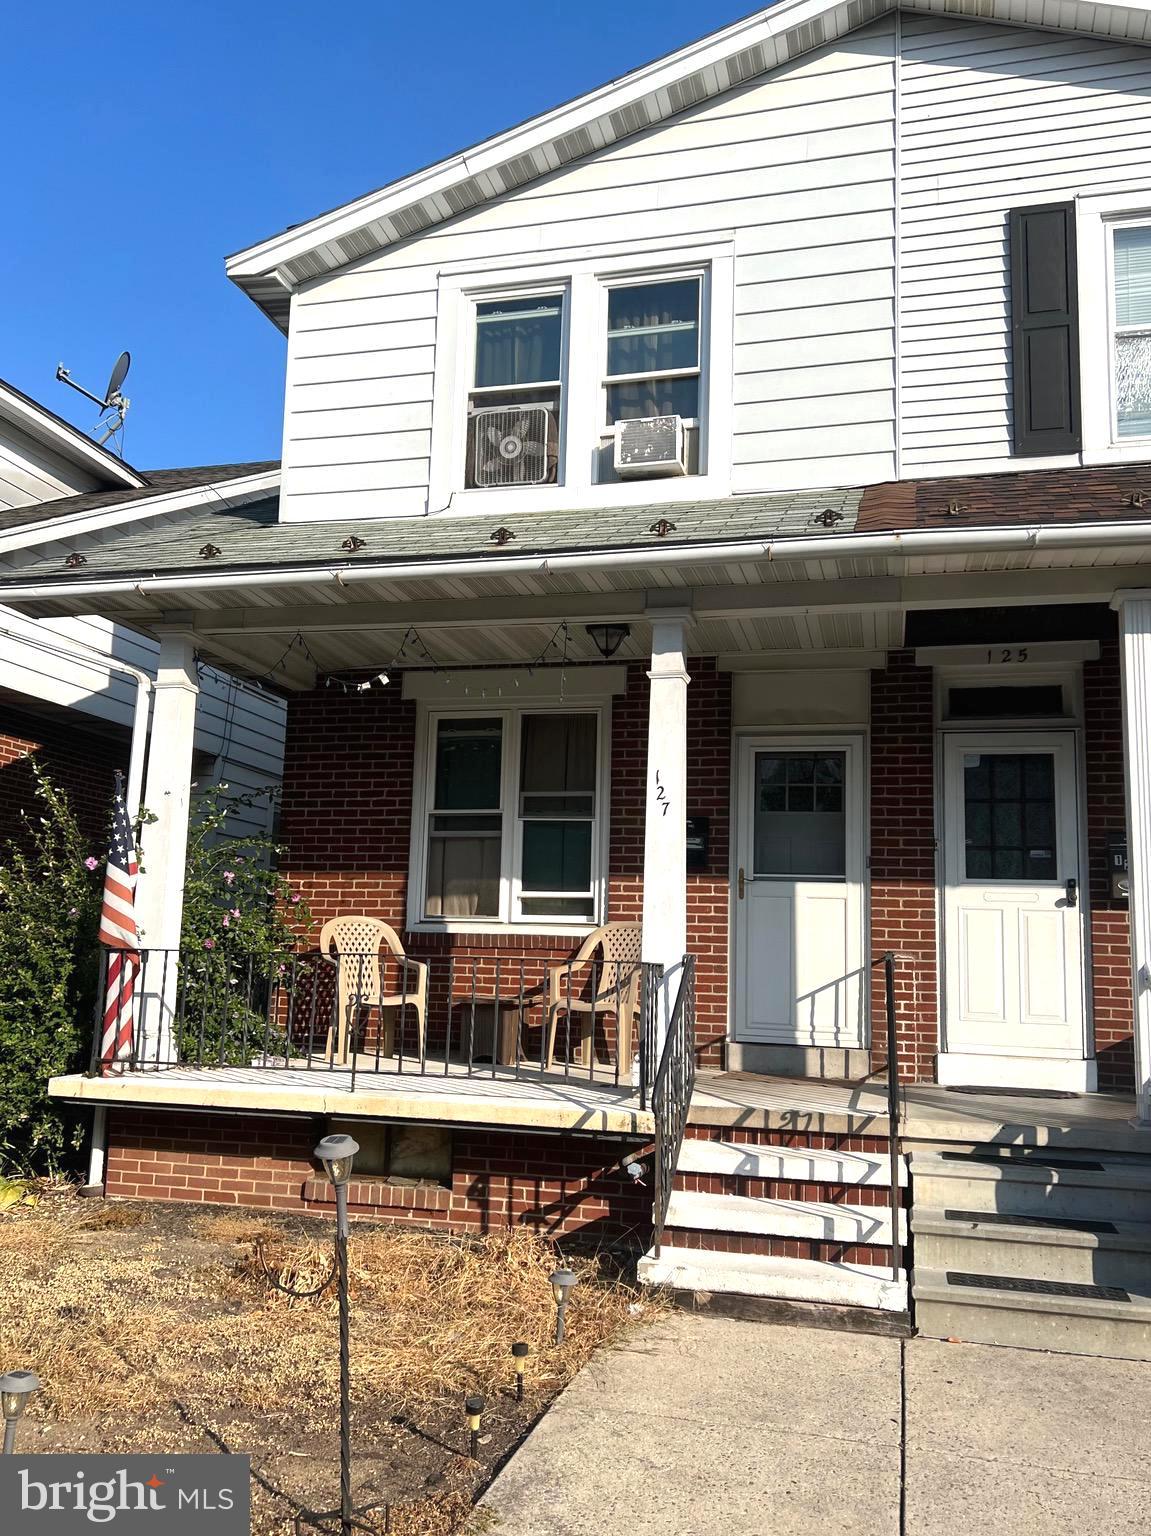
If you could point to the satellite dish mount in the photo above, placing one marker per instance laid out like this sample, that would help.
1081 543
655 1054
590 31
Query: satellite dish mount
113 401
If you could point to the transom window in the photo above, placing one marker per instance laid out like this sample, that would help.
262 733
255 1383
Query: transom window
513 817
1132 333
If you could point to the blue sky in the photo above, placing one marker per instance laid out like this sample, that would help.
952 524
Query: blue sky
146 141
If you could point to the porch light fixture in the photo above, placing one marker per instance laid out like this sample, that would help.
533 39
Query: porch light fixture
562 1283
520 1361
474 1408
15 1389
338 1153
608 638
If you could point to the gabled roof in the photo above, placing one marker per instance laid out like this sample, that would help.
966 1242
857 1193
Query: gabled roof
44 426
270 271
154 482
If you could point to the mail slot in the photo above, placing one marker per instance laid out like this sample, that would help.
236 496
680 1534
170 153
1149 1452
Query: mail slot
1119 878
698 843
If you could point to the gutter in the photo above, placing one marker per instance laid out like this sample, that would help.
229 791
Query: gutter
903 544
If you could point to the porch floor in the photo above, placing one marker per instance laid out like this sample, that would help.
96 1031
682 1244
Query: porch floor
928 1112
533 1100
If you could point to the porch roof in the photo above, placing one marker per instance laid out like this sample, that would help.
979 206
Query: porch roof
539 1101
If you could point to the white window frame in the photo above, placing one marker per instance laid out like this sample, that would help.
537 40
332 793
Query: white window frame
585 281
1096 221
511 917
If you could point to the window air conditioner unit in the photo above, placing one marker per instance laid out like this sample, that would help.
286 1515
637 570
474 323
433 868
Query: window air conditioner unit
651 445
512 445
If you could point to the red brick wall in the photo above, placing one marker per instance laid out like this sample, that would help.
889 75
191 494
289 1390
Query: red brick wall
566 1185
80 762
903 890
1107 821
346 816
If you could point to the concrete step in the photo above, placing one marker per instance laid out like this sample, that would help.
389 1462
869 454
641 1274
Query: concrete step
762 1216
799 1165
1115 1324
1091 1251
766 1275
1078 1184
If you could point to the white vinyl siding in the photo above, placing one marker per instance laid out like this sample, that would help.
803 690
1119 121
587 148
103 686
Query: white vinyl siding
30 472
993 118
796 168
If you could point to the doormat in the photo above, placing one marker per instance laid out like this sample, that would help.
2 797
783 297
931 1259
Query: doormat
1038 1287
1021 1093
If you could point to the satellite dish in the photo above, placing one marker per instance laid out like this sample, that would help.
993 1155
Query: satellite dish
118 375
112 399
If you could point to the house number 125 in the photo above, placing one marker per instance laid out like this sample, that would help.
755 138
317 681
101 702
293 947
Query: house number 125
1008 653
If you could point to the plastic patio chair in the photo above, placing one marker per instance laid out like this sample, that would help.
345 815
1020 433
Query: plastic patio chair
586 988
357 943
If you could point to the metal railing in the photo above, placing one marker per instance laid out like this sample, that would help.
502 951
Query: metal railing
671 1095
490 1014
887 961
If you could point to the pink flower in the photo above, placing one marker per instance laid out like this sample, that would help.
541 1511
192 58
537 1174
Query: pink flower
225 921
235 911
295 898
229 876
73 911
209 943
91 863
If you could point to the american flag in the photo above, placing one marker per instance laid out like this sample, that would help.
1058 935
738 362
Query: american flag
119 936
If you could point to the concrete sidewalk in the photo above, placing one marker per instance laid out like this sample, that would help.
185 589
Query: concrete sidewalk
709 1427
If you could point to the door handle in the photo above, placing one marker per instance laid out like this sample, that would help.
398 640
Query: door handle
1072 893
741 884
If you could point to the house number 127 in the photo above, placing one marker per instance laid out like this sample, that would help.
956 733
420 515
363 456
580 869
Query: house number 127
1008 653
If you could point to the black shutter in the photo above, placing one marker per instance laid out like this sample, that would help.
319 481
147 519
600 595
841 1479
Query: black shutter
1044 330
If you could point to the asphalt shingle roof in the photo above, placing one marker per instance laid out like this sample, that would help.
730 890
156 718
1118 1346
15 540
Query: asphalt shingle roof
250 538
161 482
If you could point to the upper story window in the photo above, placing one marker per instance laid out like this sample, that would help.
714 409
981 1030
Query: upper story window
516 398
653 374
1131 289
512 828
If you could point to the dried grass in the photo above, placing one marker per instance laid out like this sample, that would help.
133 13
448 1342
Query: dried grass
122 1318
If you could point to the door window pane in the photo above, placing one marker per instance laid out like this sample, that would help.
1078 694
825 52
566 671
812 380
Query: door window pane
1009 816
800 820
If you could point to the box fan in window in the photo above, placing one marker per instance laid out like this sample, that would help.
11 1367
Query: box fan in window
513 445
650 445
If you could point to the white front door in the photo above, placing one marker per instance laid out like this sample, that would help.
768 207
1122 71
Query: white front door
799 948
1013 922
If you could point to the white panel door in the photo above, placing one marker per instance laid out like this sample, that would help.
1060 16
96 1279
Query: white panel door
1012 914
799 894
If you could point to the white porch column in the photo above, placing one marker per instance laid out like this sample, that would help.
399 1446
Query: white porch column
1135 629
164 842
665 813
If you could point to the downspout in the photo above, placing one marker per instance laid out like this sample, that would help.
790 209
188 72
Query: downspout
137 752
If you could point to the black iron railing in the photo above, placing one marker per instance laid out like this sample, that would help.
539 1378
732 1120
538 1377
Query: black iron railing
495 1014
888 963
671 1094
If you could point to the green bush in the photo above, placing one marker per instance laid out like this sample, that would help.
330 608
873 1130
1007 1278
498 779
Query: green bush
50 886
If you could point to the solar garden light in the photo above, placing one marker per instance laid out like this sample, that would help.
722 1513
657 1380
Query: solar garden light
562 1281
338 1153
474 1408
15 1389
520 1360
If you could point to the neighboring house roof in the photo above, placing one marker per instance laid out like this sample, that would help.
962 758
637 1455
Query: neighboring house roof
1118 493
160 482
269 271
45 427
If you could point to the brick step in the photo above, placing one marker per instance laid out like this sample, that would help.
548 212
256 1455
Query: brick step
796 1165
783 1218
803 1141
781 1189
775 1276
783 1247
